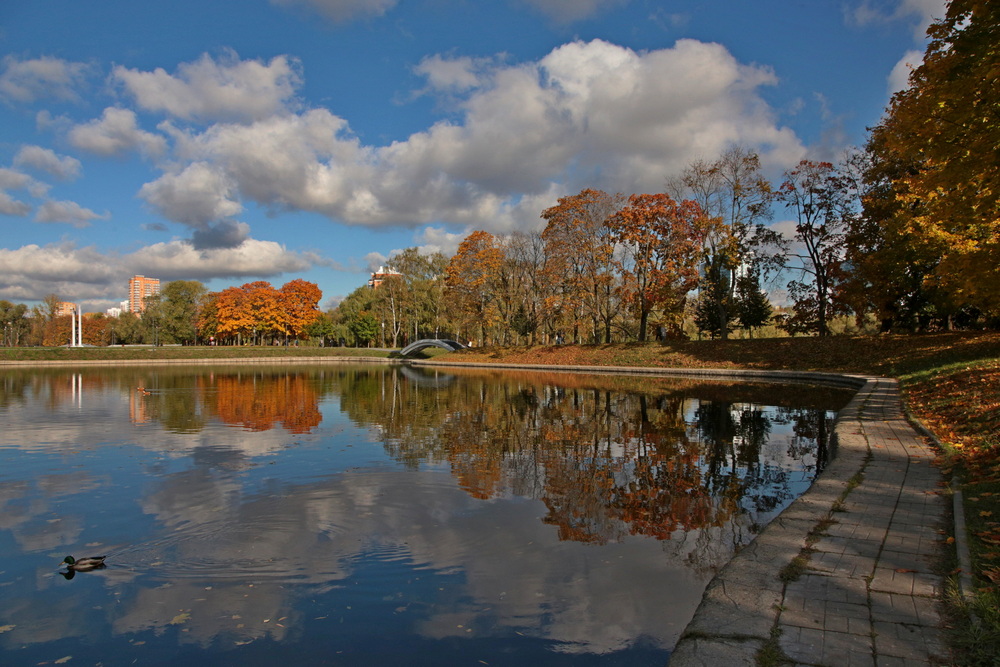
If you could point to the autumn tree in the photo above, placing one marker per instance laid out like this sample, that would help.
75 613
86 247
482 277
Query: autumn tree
298 304
943 128
660 241
733 190
472 280
249 311
889 274
822 200
580 267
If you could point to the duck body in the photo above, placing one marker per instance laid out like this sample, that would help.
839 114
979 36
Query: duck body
84 564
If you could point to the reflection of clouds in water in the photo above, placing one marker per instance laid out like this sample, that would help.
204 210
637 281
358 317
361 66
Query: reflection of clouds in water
70 434
26 509
594 600
209 613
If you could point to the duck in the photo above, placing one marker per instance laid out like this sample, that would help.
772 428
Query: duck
84 564
143 391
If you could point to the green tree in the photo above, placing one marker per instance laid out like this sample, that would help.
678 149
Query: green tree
180 303
14 324
733 190
365 327
152 320
753 309
126 329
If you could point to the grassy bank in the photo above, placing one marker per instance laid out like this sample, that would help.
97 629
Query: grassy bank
178 353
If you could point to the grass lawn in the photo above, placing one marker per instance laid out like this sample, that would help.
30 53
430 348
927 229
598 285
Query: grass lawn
178 353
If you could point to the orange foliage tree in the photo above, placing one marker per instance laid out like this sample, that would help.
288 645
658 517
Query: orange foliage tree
472 278
661 243
579 253
298 301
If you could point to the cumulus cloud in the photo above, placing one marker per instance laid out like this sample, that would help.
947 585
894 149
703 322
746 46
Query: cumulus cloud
11 206
39 78
567 11
437 239
196 196
62 167
451 74
85 273
224 234
925 11
180 259
588 114
67 211
11 179
341 11
227 89
290 162
115 133
899 78
37 270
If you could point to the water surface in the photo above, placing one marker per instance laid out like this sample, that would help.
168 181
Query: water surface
381 515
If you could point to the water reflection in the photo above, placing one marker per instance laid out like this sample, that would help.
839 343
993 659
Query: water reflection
367 514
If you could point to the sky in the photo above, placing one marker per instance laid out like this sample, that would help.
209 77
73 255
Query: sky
229 141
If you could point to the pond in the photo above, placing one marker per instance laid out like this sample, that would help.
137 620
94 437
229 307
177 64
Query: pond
381 515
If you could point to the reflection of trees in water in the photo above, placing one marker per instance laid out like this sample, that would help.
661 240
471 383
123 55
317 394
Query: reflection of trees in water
183 399
606 463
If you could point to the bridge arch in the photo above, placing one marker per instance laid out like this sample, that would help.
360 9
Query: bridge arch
416 346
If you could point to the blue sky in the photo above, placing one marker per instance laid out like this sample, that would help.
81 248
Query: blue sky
236 140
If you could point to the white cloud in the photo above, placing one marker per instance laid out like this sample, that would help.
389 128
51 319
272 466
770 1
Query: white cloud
567 11
437 239
31 272
340 11
208 90
451 74
62 167
375 260
11 179
11 206
39 268
925 11
115 133
180 259
196 196
67 211
288 162
589 114
38 78
899 78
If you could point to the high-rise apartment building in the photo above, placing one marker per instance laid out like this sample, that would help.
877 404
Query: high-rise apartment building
140 287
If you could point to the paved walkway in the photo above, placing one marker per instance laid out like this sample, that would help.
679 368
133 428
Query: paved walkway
845 575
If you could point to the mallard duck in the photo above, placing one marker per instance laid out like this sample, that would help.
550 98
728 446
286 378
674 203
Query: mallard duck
84 564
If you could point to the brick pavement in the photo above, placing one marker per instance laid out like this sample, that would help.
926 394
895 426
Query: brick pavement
868 531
